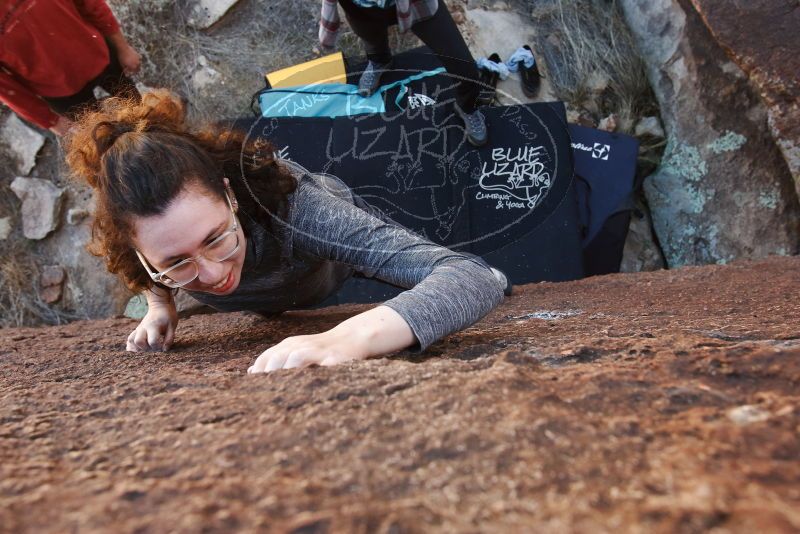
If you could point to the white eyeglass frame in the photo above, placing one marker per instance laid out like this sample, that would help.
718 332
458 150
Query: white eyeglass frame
158 277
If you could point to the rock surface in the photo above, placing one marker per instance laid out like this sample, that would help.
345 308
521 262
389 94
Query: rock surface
51 283
23 142
41 205
608 124
615 403
5 227
205 76
723 190
641 253
763 38
649 126
205 13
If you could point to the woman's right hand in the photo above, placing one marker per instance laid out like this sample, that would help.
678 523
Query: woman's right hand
157 329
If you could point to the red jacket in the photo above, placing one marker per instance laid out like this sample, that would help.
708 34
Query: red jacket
50 48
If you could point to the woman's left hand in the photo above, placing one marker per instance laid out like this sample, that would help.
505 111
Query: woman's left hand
328 348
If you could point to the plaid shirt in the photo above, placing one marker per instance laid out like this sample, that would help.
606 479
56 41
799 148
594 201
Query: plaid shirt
408 13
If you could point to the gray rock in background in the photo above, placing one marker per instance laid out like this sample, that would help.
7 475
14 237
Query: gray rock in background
184 303
205 77
136 307
41 205
763 38
723 191
5 227
89 289
649 126
23 143
51 283
76 215
641 253
205 13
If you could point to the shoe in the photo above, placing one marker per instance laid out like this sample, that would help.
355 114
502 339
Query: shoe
371 78
488 82
530 76
504 281
475 125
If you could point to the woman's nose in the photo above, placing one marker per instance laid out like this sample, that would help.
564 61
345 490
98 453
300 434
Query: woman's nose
210 272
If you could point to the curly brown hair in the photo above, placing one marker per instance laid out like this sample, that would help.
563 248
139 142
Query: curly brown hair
139 155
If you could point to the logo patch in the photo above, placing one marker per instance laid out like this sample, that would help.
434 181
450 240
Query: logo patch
418 100
601 151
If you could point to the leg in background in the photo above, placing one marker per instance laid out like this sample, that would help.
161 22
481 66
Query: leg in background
441 35
371 25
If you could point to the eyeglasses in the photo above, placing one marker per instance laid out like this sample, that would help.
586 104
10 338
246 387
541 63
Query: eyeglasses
185 271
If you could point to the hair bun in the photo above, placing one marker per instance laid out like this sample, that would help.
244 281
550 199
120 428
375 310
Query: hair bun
96 131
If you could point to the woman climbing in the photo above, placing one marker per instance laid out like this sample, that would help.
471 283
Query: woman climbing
212 212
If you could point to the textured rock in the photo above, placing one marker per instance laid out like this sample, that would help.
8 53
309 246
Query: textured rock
641 253
649 126
748 414
5 227
51 283
23 142
205 76
723 190
608 124
41 205
591 406
89 289
52 275
598 81
763 38
136 308
76 215
205 13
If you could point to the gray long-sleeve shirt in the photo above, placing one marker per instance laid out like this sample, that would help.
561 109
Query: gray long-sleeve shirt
328 238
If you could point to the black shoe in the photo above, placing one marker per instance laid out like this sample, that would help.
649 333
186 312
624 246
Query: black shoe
504 281
371 78
475 125
531 79
488 85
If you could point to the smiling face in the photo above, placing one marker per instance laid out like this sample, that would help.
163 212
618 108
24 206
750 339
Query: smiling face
192 220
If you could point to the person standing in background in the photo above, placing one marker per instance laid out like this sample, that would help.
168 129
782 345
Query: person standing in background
431 22
53 53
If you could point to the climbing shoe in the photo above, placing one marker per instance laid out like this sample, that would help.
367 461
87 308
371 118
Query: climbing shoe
371 78
475 126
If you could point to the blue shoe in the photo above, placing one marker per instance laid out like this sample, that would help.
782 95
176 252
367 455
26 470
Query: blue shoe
475 125
371 78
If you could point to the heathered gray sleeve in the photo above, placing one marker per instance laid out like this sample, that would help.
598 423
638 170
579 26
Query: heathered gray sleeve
447 291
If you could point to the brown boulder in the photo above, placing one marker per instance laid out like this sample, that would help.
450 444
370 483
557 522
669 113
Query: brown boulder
763 38
51 282
651 402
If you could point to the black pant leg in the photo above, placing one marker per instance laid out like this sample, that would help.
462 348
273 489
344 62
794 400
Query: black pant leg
371 24
113 80
441 35
71 106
